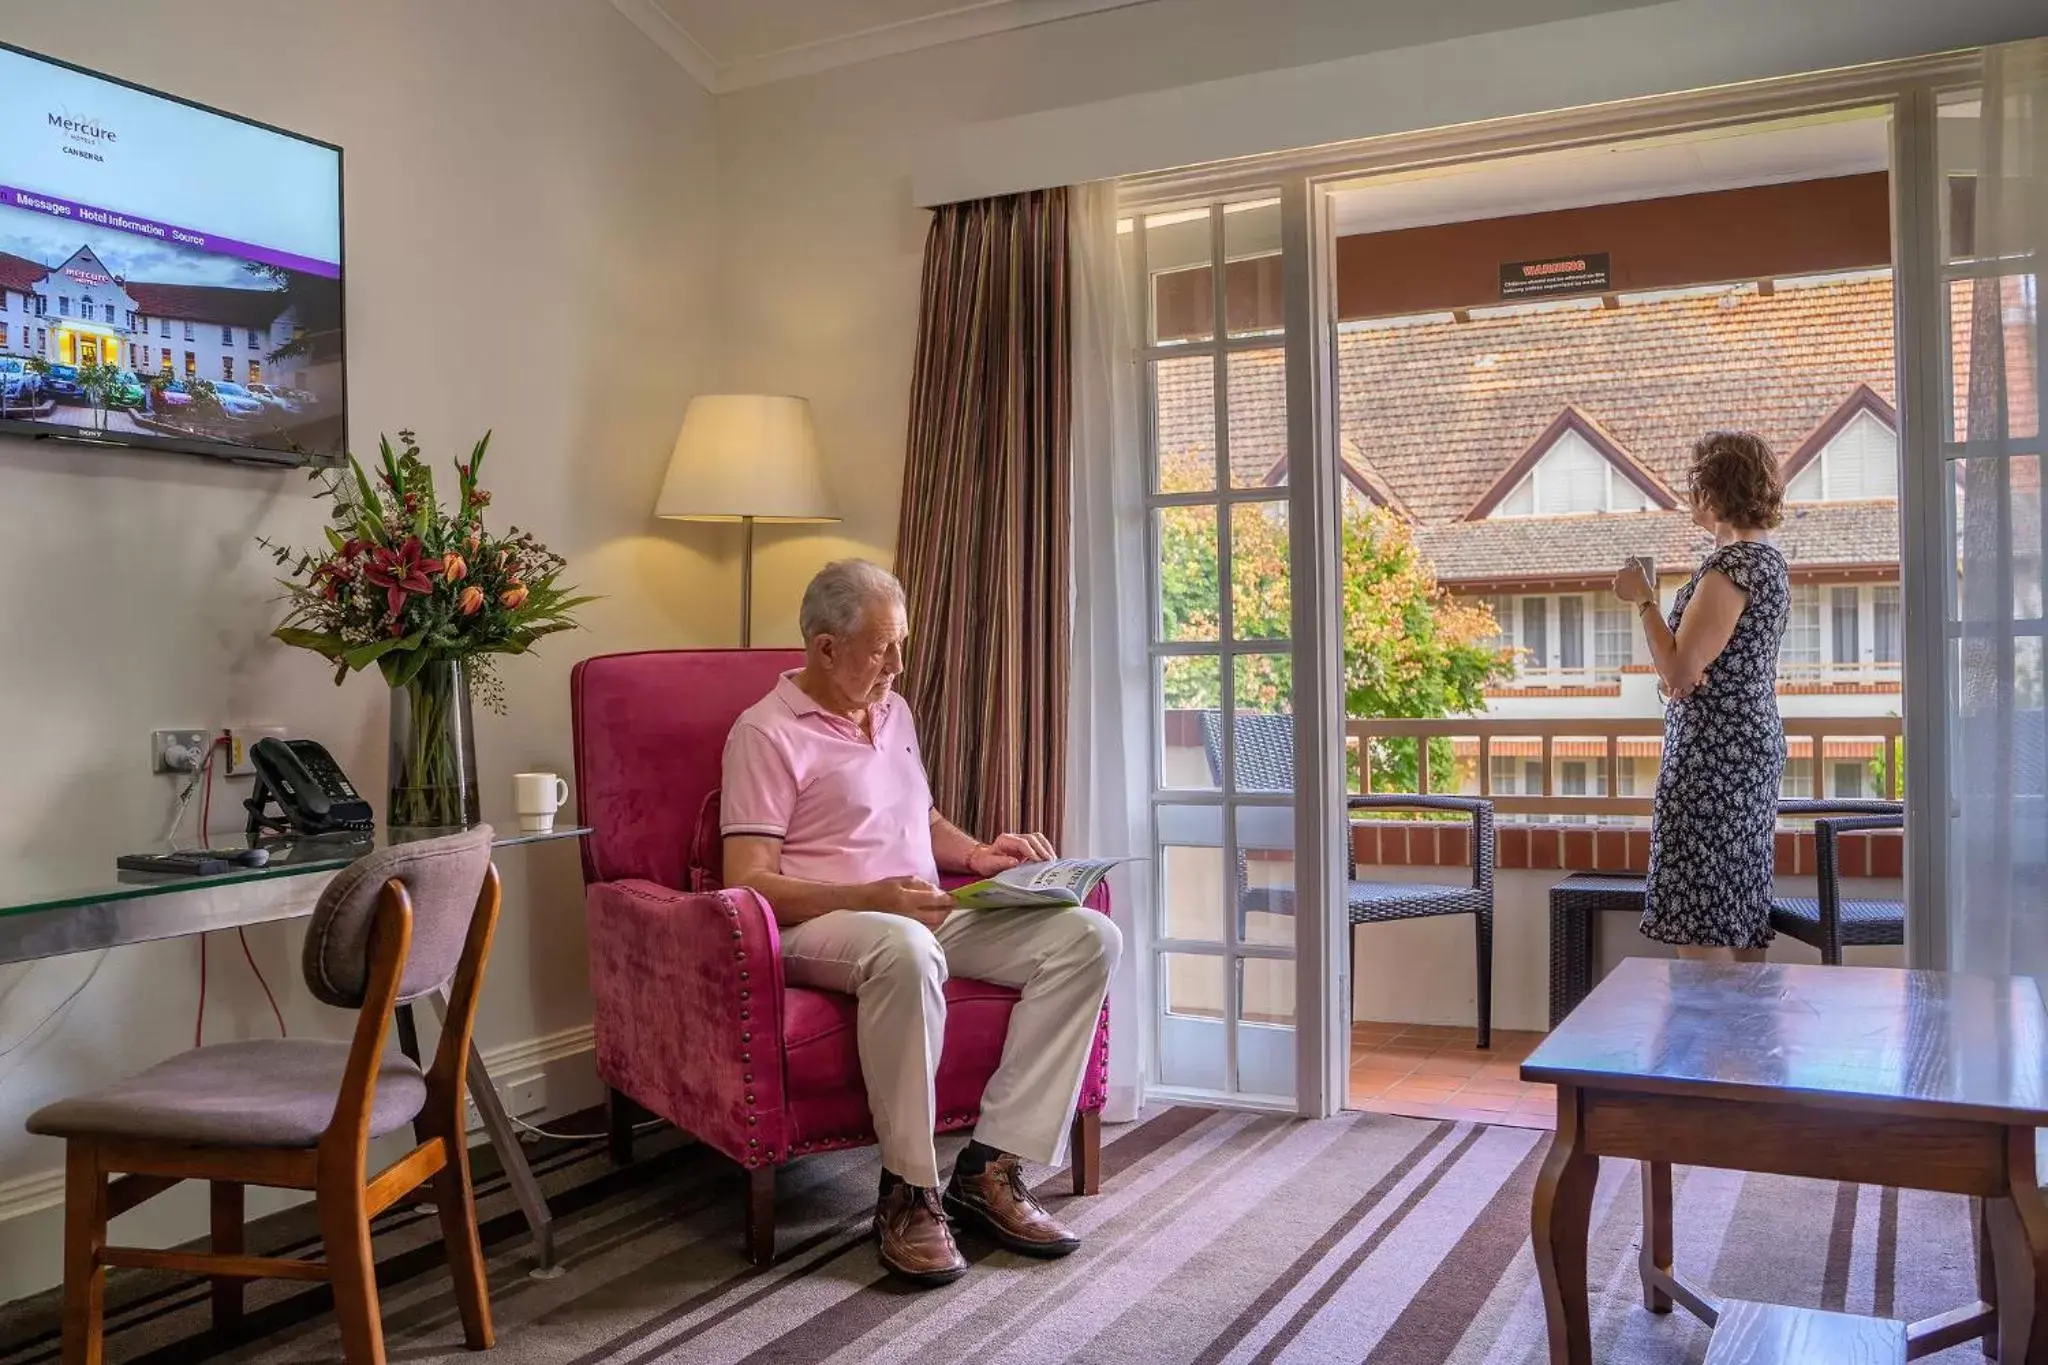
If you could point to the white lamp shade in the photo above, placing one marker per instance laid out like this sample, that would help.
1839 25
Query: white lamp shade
746 455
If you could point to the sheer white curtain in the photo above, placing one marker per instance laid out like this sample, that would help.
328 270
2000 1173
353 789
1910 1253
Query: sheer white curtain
1998 913
1108 750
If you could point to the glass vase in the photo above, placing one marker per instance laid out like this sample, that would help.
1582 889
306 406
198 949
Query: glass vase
433 751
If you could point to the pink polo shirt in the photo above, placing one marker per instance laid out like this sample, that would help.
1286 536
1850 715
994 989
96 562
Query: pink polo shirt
847 809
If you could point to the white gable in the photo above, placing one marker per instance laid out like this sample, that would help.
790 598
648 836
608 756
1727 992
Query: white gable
1861 462
1572 476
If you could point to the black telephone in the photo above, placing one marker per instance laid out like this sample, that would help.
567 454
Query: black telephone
312 793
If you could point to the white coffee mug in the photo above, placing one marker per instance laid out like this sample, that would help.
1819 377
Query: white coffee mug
538 796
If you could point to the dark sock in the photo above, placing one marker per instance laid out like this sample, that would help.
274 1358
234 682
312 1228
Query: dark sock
974 1159
890 1180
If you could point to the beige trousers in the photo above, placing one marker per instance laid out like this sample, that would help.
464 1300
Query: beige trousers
896 968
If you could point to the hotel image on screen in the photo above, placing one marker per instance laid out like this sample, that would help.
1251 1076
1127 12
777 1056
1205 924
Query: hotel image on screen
169 276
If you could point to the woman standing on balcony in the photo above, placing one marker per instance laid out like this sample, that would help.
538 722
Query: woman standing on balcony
1711 847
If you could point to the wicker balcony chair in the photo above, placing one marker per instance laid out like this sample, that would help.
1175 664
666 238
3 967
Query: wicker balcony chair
1265 762
1826 921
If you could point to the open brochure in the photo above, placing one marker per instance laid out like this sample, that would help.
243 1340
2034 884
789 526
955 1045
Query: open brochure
1035 886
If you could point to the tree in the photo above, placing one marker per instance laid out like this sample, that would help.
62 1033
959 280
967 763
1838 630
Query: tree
1410 648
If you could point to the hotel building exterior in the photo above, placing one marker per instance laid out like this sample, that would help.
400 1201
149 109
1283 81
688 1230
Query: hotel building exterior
80 312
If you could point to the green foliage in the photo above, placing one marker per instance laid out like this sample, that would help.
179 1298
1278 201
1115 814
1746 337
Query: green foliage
1410 649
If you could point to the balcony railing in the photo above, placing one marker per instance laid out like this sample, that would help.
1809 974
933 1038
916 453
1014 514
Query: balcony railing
1548 742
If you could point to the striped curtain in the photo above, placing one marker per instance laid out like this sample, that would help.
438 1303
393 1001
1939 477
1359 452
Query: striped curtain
984 534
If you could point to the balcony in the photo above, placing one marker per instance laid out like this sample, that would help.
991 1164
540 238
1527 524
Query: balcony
1579 800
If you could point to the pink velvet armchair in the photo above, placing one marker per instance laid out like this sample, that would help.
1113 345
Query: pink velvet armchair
694 1022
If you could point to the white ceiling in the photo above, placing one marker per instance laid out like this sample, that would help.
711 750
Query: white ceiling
1719 159
730 44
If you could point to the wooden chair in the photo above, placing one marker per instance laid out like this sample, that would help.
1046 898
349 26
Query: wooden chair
299 1114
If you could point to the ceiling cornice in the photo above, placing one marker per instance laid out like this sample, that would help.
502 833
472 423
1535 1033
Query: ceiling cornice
666 34
976 19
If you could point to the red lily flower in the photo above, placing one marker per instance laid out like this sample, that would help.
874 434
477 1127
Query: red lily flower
400 572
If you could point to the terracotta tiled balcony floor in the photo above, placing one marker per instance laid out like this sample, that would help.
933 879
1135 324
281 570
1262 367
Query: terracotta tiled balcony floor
1433 1072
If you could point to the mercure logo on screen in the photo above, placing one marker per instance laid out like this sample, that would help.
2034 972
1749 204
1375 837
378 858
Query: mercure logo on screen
83 137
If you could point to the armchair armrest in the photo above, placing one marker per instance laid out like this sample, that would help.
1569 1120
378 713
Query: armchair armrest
1480 809
1827 862
687 990
1841 806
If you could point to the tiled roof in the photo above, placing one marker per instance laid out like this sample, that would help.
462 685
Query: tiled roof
19 272
199 302
1814 534
1442 408
208 303
1438 411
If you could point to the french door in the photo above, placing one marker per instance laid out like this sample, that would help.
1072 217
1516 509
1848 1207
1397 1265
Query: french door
1232 576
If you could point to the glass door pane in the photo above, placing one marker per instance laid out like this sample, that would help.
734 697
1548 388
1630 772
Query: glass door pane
1223 959
1994 226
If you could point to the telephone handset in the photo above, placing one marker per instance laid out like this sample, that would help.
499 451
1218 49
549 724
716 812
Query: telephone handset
312 793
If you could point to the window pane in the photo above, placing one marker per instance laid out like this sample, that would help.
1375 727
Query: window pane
1614 633
1535 633
1192 893
1571 632
1801 645
1265 1035
1258 418
1884 621
1266 906
1260 600
1184 424
1189 605
1253 302
1183 292
1998 503
1264 722
1191 1044
1994 330
1191 710
1845 606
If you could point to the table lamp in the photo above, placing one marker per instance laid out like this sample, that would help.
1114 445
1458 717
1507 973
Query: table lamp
746 457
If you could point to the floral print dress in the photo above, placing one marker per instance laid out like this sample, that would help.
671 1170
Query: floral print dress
1712 850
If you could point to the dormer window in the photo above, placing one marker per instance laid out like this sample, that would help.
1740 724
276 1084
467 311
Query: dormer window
1572 477
1860 462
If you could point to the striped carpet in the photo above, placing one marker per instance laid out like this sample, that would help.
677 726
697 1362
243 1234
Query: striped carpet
1218 1239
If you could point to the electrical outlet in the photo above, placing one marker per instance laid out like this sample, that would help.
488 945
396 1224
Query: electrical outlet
240 738
176 751
521 1096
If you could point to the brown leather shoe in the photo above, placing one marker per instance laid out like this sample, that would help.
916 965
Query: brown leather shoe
913 1239
999 1203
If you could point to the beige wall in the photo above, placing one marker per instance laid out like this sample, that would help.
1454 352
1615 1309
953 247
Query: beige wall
530 238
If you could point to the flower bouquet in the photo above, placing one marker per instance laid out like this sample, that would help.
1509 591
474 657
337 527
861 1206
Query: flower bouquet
431 598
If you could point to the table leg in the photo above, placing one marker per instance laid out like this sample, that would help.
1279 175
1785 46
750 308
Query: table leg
1987 1271
2019 1248
504 1137
1558 1224
1656 1254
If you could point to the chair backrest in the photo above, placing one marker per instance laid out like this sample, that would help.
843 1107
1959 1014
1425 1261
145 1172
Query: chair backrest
650 734
1265 749
442 877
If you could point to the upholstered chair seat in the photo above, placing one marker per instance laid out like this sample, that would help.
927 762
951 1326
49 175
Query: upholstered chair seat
270 1092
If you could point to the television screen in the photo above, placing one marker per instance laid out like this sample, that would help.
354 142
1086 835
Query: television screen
170 276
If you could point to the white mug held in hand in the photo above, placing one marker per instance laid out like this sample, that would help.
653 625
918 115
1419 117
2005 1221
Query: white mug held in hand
538 796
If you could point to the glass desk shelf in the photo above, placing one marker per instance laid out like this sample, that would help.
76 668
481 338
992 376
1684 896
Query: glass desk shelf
32 886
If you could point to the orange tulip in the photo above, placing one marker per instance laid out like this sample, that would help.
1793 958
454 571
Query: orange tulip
453 568
471 601
512 597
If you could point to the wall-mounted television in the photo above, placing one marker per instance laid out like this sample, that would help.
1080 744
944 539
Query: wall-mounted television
170 275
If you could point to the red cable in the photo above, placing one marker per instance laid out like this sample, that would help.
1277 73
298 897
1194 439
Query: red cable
282 1032
199 1025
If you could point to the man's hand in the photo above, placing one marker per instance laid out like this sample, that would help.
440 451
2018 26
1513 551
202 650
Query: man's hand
912 898
1007 851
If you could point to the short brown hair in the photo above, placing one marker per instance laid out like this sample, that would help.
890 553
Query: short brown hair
1736 473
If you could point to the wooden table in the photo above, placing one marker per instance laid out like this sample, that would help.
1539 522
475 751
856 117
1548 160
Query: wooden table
1922 1080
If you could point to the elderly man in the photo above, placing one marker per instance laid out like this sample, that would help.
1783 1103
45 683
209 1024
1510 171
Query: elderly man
827 814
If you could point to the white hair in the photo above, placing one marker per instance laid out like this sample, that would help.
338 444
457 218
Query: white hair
837 600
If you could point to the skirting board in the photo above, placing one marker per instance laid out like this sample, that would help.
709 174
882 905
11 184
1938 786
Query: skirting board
515 1067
